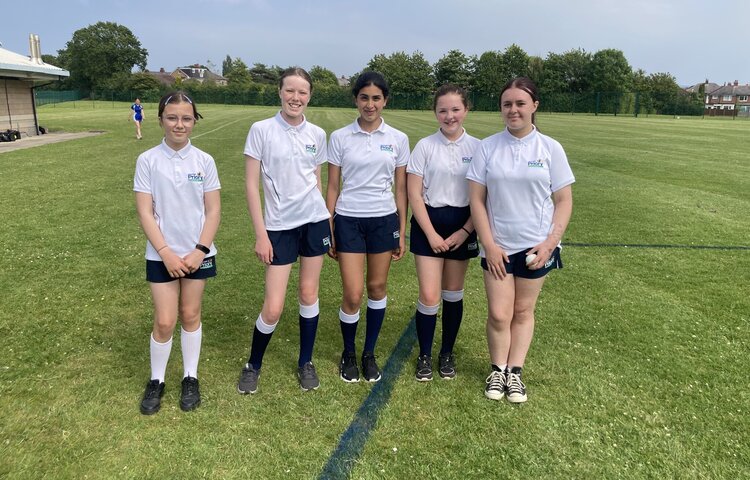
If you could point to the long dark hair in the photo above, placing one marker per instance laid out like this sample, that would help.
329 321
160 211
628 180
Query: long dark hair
370 78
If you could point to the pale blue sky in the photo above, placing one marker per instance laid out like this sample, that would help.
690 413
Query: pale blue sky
693 40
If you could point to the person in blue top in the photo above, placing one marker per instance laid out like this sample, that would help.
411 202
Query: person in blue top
138 117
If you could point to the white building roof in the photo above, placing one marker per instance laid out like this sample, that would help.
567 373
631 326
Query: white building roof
21 66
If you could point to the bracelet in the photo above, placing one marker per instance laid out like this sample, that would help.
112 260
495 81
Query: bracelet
203 248
467 232
162 248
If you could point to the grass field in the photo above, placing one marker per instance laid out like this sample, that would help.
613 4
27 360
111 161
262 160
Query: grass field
639 367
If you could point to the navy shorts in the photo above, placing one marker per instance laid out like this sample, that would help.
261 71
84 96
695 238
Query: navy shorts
309 240
446 221
517 265
366 234
156 271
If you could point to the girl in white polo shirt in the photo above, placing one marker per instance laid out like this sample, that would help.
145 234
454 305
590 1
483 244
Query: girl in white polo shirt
521 202
442 233
177 199
286 152
366 164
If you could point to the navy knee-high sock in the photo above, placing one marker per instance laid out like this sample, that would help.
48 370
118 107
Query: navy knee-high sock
261 336
374 316
453 312
425 320
308 327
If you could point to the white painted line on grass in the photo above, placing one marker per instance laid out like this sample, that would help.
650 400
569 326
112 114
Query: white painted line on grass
217 128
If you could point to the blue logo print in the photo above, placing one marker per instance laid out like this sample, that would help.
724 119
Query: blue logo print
195 177
311 149
466 159
386 148
535 164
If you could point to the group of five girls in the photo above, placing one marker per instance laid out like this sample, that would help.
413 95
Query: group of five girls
511 191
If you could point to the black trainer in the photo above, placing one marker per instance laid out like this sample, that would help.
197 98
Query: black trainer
495 388
190 398
516 390
348 370
308 377
447 366
370 367
424 368
248 382
151 402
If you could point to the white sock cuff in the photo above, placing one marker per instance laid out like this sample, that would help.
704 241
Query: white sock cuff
424 309
377 304
263 327
197 331
168 342
309 311
452 295
346 318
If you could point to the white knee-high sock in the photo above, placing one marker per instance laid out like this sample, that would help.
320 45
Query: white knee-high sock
191 350
159 358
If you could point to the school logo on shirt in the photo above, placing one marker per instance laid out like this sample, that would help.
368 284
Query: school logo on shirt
195 177
311 149
535 164
466 159
386 148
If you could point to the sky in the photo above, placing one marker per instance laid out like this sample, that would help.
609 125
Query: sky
692 40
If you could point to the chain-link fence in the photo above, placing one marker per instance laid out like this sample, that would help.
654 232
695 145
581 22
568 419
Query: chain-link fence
596 103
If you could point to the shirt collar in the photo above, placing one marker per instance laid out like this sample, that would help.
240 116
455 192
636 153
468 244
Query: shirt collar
357 129
445 141
525 139
285 125
182 153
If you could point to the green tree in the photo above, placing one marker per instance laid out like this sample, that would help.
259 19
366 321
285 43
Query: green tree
536 70
489 73
145 86
411 74
101 51
515 63
454 67
260 73
610 71
568 72
323 77
226 66
238 73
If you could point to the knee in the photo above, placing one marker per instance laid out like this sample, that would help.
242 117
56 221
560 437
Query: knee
429 298
190 316
164 326
499 319
352 300
272 313
308 294
523 313
376 290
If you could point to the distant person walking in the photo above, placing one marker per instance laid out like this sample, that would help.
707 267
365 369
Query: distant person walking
177 199
138 117
521 202
442 233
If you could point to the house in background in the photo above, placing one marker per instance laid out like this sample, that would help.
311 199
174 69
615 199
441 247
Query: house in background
162 76
200 74
19 76
731 99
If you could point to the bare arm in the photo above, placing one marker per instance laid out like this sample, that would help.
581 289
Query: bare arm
402 208
212 205
332 195
263 248
494 254
144 206
563 200
415 190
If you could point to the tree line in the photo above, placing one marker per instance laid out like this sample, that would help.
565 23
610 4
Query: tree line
101 57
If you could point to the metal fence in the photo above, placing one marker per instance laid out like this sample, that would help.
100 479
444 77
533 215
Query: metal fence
593 103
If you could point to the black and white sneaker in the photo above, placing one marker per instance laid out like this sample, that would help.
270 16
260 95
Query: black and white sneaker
516 390
151 402
348 370
447 364
248 382
308 377
495 388
424 368
370 368
190 398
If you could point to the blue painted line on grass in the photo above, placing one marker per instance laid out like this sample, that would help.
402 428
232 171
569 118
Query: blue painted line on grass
659 245
343 459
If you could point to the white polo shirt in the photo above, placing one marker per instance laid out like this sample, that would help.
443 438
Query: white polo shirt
442 164
520 176
289 157
368 164
177 182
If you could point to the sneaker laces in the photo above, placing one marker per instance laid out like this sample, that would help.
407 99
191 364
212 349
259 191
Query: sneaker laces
152 391
307 371
496 381
515 385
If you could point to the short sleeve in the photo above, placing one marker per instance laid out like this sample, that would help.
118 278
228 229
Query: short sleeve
417 159
321 156
477 171
403 151
335 151
559 169
254 143
142 179
211 179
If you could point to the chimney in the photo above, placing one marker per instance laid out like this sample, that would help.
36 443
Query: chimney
736 83
161 70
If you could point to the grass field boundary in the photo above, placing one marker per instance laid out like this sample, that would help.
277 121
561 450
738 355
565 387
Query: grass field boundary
658 245
355 437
